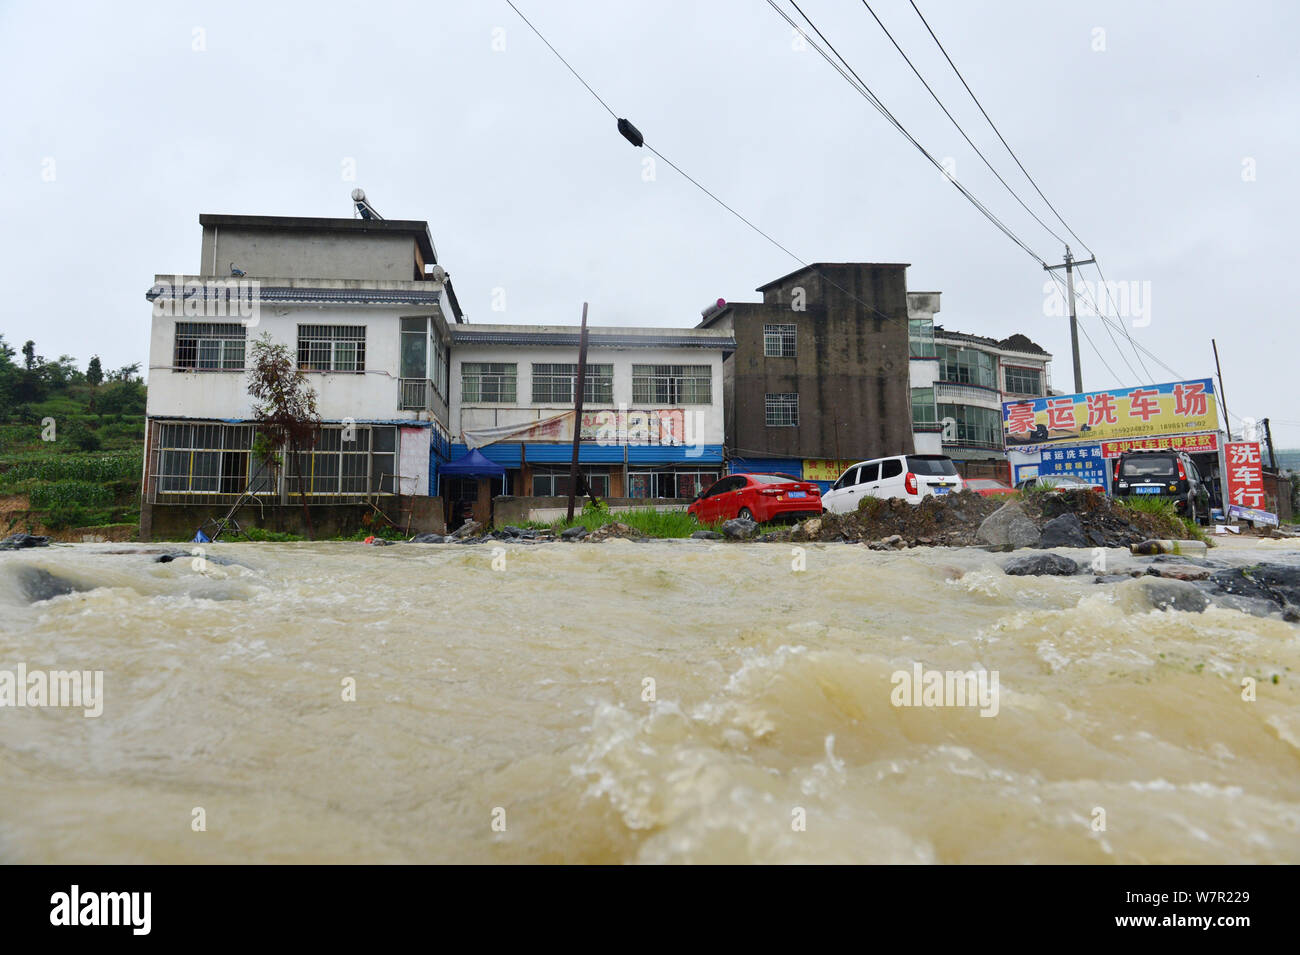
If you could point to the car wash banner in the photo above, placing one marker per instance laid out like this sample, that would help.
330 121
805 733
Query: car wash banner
1191 443
1179 407
1081 461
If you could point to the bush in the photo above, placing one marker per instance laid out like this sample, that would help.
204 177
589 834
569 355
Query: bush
70 493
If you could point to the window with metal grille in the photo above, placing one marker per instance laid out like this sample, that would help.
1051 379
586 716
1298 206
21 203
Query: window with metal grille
206 459
779 341
669 483
672 384
482 381
1024 381
347 462
554 482
782 410
332 347
554 384
210 346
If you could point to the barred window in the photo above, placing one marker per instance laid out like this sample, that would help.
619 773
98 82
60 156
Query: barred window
488 381
335 467
779 341
332 347
210 346
672 384
554 384
1024 381
669 483
554 482
207 459
782 410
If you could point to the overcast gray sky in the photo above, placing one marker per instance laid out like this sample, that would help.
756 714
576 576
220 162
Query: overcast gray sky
1168 142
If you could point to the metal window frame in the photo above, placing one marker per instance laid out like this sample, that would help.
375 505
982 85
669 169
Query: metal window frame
331 336
224 335
498 379
672 384
781 333
775 404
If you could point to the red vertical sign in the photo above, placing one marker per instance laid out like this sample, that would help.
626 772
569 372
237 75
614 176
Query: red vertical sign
1245 474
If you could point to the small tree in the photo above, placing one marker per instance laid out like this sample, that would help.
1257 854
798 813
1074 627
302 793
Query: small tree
94 372
284 407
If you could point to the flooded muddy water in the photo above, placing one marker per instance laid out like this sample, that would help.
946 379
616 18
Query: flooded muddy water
672 701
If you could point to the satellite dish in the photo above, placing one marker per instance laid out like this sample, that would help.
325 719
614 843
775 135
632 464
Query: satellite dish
438 273
358 195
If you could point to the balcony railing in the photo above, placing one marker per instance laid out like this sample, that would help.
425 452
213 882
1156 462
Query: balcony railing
416 394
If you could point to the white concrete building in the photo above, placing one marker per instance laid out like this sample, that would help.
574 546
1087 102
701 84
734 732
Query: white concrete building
959 382
362 306
652 422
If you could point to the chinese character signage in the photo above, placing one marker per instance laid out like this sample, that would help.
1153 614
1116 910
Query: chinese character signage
1181 407
1191 443
819 469
1245 474
1083 461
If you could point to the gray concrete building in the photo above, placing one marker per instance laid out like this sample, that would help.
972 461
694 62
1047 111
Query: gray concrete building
820 371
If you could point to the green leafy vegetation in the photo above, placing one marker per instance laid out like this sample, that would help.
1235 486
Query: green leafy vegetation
72 441
648 521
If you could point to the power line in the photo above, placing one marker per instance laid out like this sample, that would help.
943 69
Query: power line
997 132
935 97
865 91
633 135
1032 182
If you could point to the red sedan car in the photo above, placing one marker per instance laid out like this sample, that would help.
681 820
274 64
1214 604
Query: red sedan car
988 487
759 497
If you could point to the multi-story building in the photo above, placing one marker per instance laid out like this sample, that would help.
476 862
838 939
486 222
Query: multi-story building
820 369
364 308
652 422
959 382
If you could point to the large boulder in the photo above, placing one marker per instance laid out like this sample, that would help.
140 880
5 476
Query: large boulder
1167 594
468 529
1039 564
739 529
428 539
1273 582
1063 531
575 533
1008 528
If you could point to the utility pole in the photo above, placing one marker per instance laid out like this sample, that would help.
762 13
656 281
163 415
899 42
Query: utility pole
578 388
1268 436
1069 264
1223 403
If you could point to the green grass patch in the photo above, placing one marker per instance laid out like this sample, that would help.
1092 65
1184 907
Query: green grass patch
67 493
97 468
648 521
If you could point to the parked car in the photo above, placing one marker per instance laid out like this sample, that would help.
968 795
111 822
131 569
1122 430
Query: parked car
1059 483
988 487
912 477
759 497
1164 474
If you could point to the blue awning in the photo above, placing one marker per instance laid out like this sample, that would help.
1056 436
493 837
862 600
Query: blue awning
471 465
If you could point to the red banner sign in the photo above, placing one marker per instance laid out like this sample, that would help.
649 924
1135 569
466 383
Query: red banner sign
1245 474
1191 443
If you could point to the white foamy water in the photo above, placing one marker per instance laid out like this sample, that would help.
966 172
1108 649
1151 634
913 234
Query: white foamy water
482 690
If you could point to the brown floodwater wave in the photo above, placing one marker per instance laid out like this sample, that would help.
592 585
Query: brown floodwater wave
504 715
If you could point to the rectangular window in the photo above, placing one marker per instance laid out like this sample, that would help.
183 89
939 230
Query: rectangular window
672 384
362 464
966 366
974 425
924 413
782 411
555 384
779 341
669 483
210 346
1024 381
920 335
332 347
554 482
482 381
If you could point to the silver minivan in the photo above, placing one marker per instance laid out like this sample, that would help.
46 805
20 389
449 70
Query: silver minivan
909 476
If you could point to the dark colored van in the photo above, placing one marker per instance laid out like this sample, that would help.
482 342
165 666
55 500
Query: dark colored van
1164 474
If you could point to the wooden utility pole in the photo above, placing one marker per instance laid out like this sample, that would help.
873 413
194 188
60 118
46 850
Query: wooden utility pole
1223 404
579 386
1069 264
